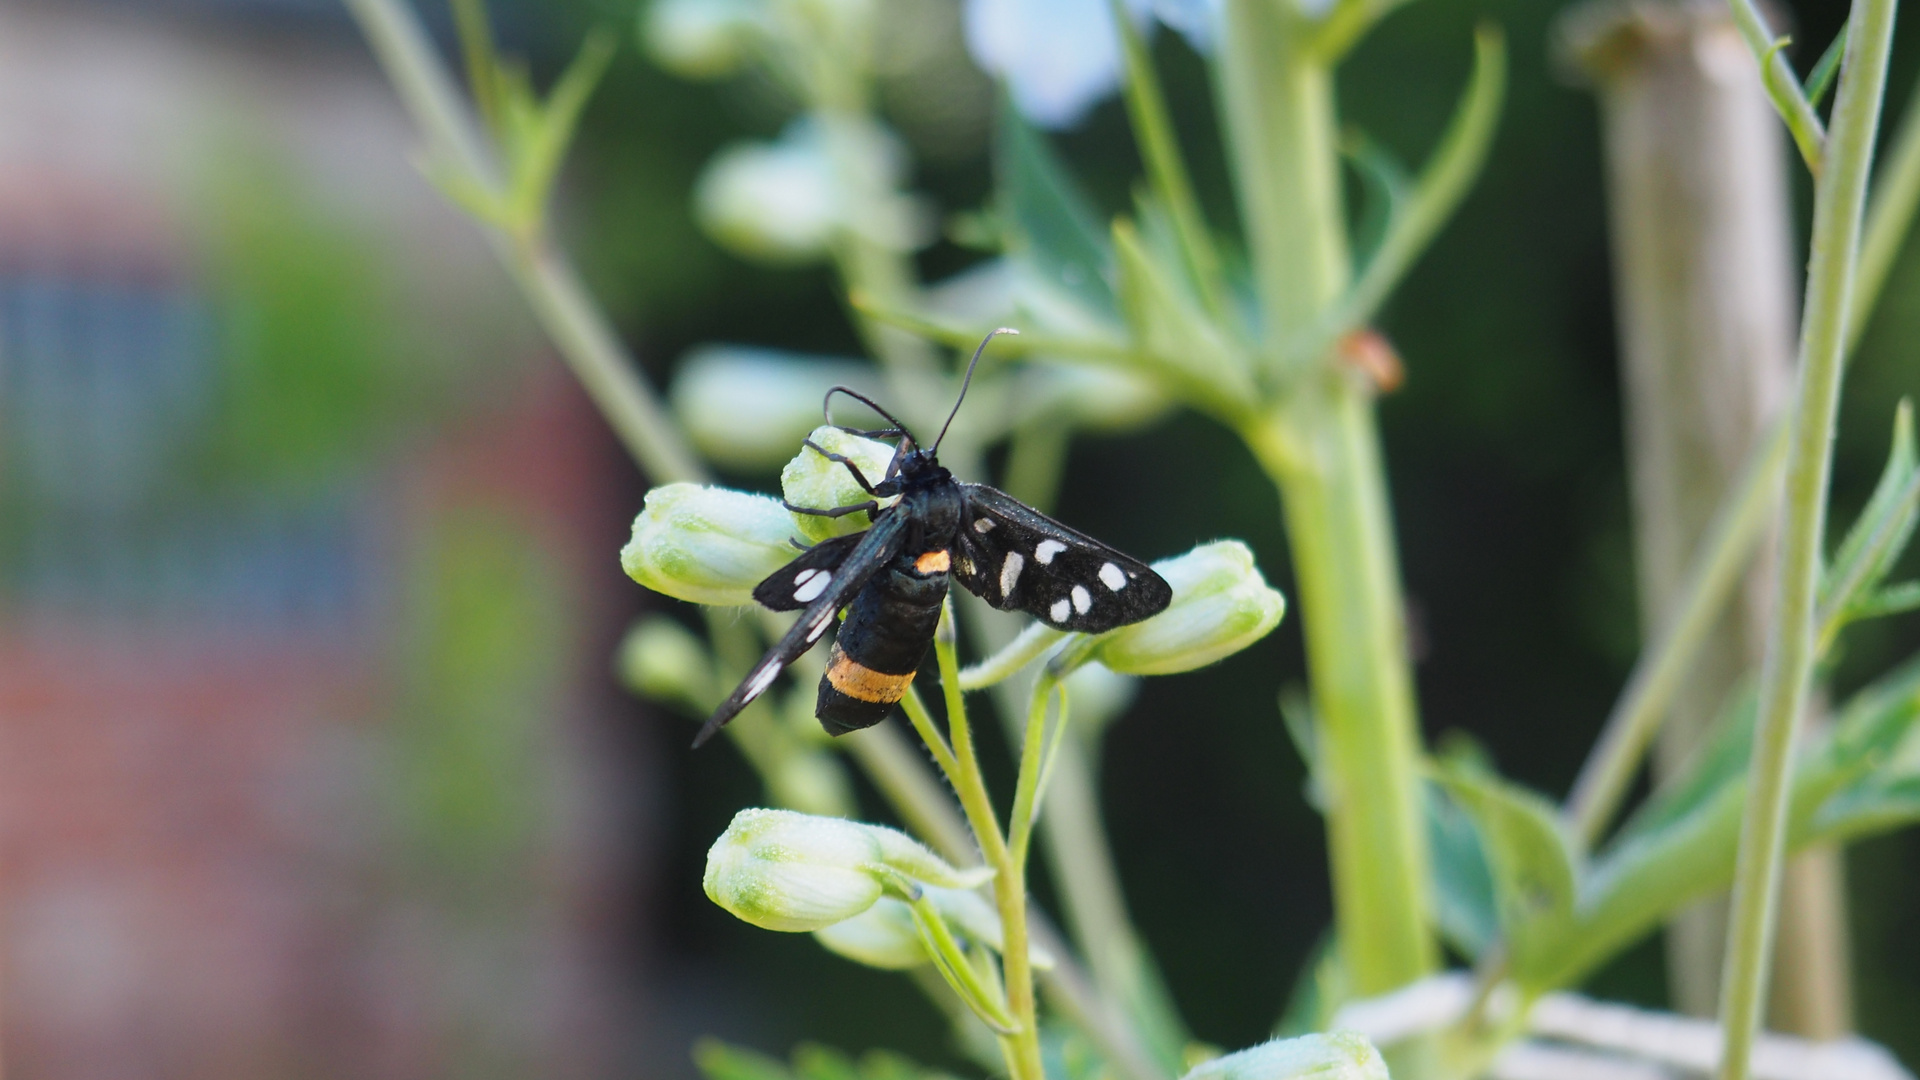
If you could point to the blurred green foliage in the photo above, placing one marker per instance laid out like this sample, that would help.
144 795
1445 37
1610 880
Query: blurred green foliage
1504 450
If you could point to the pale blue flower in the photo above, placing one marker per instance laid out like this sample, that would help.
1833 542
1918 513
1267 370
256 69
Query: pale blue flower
1058 57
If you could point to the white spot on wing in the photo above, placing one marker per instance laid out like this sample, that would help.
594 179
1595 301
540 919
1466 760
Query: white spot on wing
1113 577
820 626
804 576
810 587
1047 550
760 682
1060 610
1081 601
1010 573
983 525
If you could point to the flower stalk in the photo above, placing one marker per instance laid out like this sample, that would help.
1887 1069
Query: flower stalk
1839 206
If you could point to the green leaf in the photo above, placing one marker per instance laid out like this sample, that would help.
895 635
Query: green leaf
1465 910
551 127
1050 224
1167 322
1820 79
1878 535
720 1061
1535 875
814 1062
1720 758
1384 184
1448 175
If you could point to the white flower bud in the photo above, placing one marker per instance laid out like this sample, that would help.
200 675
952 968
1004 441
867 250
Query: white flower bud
749 407
700 39
783 202
782 870
661 660
1221 605
810 479
707 544
775 202
1339 1055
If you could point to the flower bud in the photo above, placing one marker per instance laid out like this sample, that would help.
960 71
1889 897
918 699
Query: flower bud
773 202
700 39
748 408
781 870
1339 1055
810 479
661 660
1221 605
707 545
884 936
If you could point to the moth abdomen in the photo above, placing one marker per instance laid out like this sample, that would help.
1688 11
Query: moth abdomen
885 638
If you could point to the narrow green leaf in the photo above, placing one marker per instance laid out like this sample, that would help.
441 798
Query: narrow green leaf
1385 184
1167 322
1050 223
1820 79
1878 535
1720 759
811 1061
1892 600
719 1061
538 161
1443 183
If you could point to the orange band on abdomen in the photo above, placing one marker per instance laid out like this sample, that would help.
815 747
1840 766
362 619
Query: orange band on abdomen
859 681
933 562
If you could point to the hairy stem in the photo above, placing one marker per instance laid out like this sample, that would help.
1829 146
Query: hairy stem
1839 205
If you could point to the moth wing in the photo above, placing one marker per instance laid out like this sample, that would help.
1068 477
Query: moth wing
1018 559
806 578
871 552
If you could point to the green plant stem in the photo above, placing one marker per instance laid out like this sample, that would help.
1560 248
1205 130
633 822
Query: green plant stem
1340 533
1839 206
577 327
1783 87
1022 1048
1320 446
1647 699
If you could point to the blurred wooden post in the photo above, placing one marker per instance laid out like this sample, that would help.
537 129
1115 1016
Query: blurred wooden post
1707 304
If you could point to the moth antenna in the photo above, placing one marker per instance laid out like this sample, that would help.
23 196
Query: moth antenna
826 406
966 382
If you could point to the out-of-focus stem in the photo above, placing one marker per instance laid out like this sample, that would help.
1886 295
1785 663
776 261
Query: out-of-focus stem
1839 205
577 327
1320 446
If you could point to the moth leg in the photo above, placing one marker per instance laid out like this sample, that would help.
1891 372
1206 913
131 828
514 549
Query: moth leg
841 459
838 511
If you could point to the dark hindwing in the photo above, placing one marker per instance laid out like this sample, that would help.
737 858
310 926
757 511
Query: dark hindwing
850 562
1018 559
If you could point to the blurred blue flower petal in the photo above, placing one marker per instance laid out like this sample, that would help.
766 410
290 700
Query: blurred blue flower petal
1058 57
1196 20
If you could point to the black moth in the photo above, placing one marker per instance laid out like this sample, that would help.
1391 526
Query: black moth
892 578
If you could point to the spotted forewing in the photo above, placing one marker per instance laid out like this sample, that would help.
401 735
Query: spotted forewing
1018 559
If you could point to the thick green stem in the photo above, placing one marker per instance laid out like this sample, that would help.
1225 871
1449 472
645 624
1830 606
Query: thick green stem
1340 531
1839 205
1320 446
